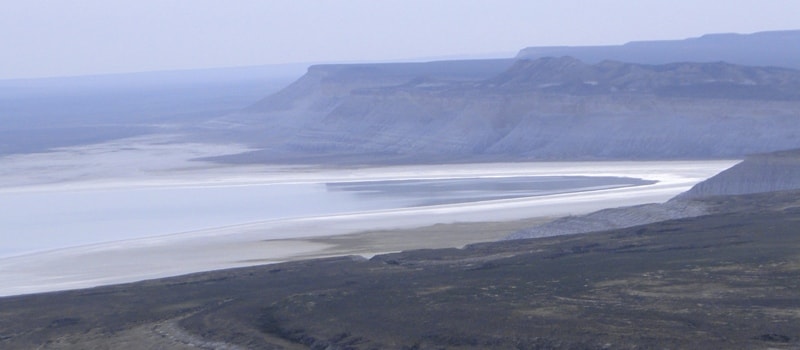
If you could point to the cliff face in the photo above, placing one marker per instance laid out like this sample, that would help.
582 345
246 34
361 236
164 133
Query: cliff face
759 173
323 86
553 108
567 75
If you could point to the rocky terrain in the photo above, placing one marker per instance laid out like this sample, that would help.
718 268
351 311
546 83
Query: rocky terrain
544 109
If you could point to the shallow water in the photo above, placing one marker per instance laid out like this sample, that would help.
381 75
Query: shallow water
453 191
43 220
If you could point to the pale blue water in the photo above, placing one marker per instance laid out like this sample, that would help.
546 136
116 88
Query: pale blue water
33 221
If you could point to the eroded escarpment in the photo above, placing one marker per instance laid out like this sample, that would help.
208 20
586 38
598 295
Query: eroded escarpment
544 109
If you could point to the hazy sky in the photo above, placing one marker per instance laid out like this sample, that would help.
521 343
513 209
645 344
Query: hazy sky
76 37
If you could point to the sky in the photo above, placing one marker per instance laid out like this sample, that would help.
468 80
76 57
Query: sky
44 38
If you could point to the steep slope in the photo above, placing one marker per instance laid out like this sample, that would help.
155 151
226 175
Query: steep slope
774 48
324 85
759 173
285 125
551 108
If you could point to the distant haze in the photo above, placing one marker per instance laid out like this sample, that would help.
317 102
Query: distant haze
60 38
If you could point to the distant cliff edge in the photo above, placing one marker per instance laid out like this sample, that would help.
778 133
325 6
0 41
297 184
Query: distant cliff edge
773 48
545 109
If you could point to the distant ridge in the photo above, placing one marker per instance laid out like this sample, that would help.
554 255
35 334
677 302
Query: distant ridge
569 75
338 80
772 48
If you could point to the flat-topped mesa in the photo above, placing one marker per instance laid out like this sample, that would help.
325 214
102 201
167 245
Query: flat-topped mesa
324 85
773 48
545 109
770 172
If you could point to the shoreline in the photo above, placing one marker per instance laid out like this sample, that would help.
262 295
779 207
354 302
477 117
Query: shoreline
361 233
375 242
83 267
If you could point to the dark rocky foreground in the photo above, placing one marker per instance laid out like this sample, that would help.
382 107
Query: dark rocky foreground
727 280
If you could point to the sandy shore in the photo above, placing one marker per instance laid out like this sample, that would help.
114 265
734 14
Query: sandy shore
369 243
121 262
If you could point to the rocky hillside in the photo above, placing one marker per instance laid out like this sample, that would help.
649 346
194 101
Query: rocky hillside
551 108
759 173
